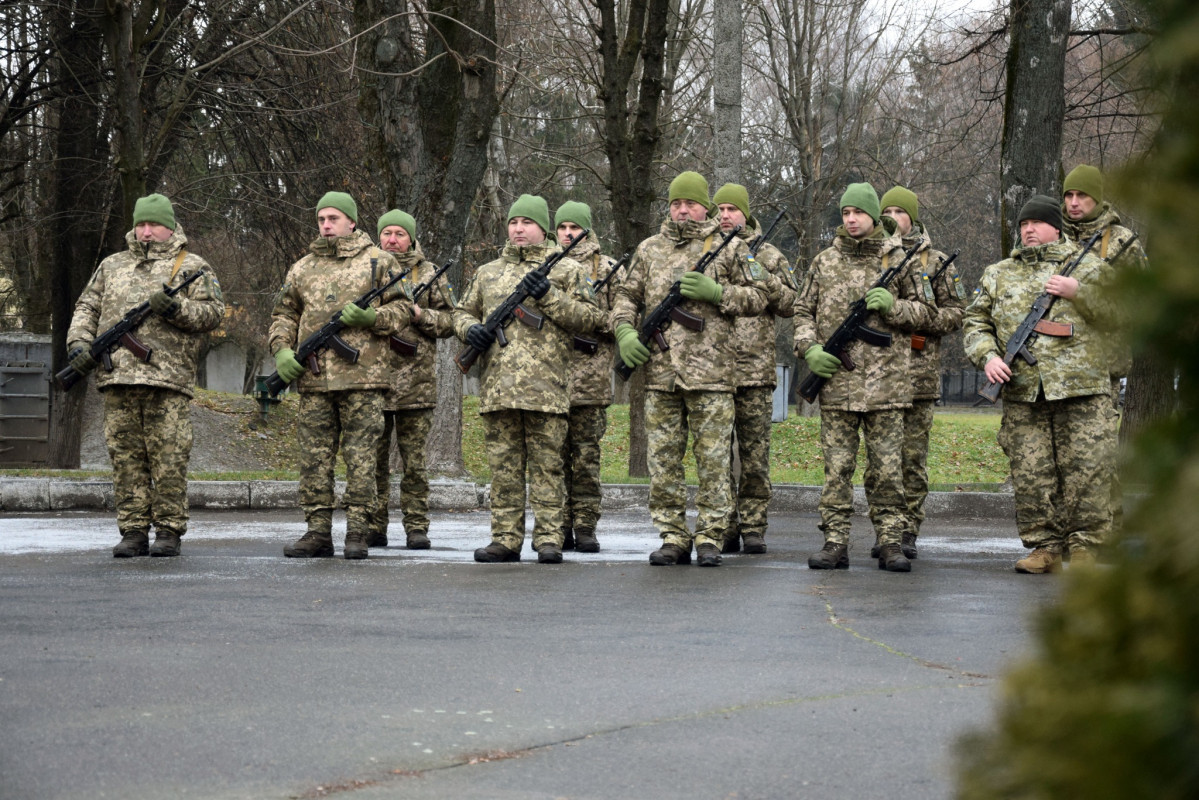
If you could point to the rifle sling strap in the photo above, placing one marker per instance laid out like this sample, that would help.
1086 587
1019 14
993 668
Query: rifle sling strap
178 263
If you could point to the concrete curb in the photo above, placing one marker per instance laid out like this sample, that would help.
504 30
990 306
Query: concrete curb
56 494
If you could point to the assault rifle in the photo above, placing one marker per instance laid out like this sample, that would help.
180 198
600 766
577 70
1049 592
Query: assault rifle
327 338
854 327
668 310
919 340
586 344
403 346
765 237
120 335
513 308
1035 323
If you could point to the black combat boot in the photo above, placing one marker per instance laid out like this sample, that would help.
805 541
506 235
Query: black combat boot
495 553
892 559
908 546
568 538
670 554
707 555
831 556
418 540
732 542
377 538
549 553
311 545
753 543
356 545
132 544
585 541
166 543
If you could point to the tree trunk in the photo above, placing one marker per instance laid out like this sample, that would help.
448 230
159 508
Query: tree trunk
1034 107
726 91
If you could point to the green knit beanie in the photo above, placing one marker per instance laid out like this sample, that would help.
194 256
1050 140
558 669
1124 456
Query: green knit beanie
690 186
1043 209
154 208
1086 179
863 197
735 195
341 201
397 217
573 211
903 198
532 207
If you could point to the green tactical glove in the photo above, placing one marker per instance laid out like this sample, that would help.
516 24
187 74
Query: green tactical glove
163 304
286 365
822 363
698 286
81 361
880 300
357 317
632 352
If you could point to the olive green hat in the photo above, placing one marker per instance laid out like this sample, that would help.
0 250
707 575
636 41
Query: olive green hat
690 186
154 208
903 198
573 211
735 195
1042 208
1086 179
341 201
862 196
531 206
397 217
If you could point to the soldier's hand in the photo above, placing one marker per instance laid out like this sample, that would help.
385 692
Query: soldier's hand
880 300
81 361
479 338
163 304
698 286
997 370
286 365
632 352
535 284
357 317
821 363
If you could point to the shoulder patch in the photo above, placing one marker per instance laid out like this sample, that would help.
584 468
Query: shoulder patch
755 268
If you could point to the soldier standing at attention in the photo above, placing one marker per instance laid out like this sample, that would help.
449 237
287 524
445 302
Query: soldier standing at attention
755 375
343 403
524 387
408 404
947 297
873 396
690 386
1058 426
147 421
590 390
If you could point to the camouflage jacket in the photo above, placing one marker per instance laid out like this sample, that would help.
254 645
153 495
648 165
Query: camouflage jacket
837 277
754 337
533 372
1104 218
947 297
127 279
591 375
1070 366
413 380
317 288
697 360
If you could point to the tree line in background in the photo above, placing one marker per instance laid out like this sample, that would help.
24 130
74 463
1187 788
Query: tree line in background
245 112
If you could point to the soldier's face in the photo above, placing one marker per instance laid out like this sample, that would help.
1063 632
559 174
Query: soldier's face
1034 232
730 217
395 239
901 217
1078 204
523 231
567 232
857 222
333 223
151 232
687 210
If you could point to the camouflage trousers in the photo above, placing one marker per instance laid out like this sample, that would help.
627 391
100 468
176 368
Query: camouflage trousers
353 419
148 431
708 416
917 424
411 428
1062 454
883 433
520 442
581 466
753 409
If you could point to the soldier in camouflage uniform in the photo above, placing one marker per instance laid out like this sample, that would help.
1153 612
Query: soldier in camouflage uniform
147 425
524 386
690 386
1058 426
871 397
408 405
590 389
343 401
947 296
755 375
1085 214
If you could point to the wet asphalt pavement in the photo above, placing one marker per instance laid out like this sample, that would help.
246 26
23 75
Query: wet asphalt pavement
232 672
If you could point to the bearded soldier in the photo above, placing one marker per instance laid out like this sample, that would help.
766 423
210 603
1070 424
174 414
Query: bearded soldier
147 424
